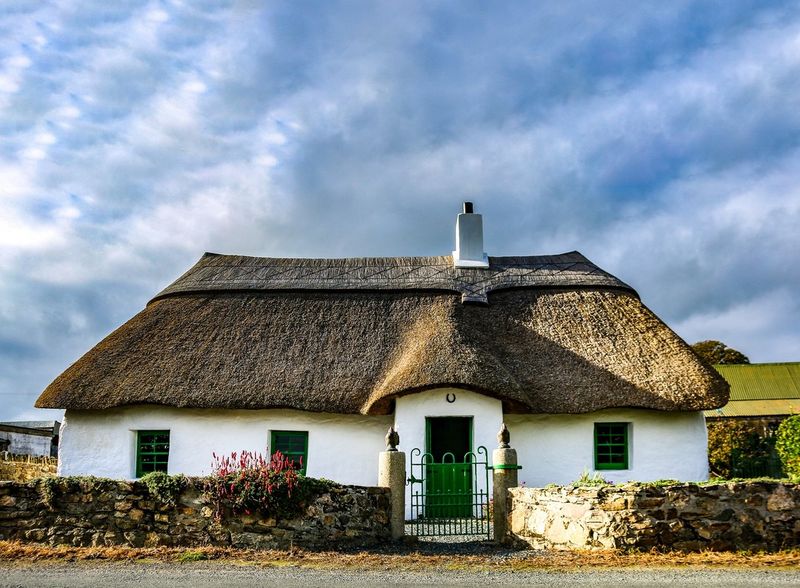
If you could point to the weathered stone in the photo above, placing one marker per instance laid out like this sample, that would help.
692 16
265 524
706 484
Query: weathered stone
35 534
617 503
687 517
155 540
725 515
754 500
780 499
654 502
717 531
111 513
556 533
135 538
575 510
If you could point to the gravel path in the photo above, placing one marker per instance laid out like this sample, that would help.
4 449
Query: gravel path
203 574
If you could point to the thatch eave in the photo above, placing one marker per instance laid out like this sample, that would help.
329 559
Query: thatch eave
538 350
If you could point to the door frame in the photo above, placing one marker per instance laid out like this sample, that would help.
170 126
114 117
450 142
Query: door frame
471 419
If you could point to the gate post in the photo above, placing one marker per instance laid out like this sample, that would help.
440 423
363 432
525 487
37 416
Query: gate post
504 466
392 475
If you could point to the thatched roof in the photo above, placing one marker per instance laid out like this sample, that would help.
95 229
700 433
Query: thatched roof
237 272
554 334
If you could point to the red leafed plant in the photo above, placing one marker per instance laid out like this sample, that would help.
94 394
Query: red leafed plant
249 481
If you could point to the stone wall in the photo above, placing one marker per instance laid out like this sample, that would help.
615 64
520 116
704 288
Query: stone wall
24 468
688 517
94 512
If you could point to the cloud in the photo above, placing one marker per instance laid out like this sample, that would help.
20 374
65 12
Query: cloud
757 324
660 140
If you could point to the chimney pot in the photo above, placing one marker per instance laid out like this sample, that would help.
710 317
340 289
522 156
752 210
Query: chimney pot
469 240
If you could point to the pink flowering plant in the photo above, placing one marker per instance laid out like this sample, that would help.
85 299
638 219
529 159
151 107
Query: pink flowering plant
247 482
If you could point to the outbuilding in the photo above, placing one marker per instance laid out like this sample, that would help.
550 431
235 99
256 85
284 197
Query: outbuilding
318 357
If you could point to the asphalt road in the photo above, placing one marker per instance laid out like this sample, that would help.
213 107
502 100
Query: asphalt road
203 574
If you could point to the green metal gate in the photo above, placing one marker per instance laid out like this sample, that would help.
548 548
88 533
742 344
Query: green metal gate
450 497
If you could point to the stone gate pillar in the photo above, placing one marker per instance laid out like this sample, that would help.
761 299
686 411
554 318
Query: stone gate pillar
504 466
392 475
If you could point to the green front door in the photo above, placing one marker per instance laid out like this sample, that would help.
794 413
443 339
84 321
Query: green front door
448 476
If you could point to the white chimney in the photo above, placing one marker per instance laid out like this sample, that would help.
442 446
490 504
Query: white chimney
469 240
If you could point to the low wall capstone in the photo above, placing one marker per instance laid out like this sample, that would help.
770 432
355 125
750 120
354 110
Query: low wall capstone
95 512
686 517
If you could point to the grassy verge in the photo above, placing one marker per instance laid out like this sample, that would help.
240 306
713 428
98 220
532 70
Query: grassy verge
24 554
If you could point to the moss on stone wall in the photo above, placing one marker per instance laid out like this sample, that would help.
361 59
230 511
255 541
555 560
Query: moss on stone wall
98 512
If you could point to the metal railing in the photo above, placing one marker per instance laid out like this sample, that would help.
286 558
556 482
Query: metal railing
450 498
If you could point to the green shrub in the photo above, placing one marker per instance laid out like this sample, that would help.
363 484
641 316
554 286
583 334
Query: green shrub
742 449
164 487
590 479
788 446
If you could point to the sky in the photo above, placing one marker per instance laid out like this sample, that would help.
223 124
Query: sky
659 139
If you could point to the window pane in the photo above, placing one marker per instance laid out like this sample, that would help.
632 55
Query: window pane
611 446
293 445
152 452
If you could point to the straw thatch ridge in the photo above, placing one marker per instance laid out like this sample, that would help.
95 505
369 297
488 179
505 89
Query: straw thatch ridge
238 272
345 350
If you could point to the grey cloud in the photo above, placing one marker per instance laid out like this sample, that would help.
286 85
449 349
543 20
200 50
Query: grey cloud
357 128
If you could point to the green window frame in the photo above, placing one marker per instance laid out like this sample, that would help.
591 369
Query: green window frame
292 444
611 442
152 452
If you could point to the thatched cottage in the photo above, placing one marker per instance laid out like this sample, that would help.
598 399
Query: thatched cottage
318 357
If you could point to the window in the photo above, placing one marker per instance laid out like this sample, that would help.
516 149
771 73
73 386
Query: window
152 452
611 446
292 444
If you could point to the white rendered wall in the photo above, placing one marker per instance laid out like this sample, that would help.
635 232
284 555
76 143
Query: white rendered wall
555 449
411 410
24 444
343 448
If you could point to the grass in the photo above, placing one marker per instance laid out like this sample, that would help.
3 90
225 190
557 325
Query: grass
411 560
191 555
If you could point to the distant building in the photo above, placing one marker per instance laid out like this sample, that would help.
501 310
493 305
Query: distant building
39 438
765 392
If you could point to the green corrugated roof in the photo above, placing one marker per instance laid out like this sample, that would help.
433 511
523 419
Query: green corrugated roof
762 381
742 408
760 389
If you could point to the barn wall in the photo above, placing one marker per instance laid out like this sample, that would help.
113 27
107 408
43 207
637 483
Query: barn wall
555 449
343 448
27 444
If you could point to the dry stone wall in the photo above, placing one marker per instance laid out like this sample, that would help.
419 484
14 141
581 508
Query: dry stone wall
687 517
93 512
22 469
